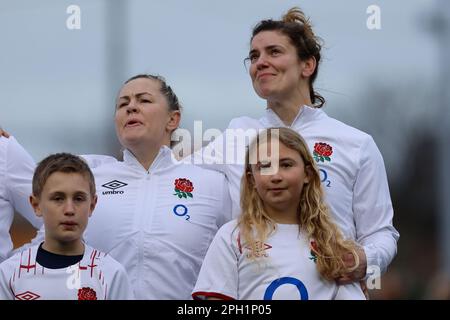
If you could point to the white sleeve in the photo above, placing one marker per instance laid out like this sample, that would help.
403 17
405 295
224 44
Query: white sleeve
95 160
19 175
218 275
350 291
5 290
120 287
212 156
372 207
225 212
226 154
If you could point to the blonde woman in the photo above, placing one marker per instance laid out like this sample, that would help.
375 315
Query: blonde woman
284 245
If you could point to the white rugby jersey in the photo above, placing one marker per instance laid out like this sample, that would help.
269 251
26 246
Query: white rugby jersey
285 269
96 277
158 223
351 168
16 171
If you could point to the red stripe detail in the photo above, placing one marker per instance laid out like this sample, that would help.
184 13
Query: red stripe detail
100 276
11 288
197 295
239 243
92 265
20 263
29 259
80 267
29 265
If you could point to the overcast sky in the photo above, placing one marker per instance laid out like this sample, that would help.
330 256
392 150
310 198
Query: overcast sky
58 85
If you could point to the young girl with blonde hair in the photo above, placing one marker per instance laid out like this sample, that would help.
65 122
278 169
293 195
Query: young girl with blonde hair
284 245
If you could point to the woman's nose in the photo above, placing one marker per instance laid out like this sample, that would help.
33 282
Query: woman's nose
261 62
132 107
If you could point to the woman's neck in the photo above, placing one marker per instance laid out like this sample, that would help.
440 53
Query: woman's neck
287 109
146 155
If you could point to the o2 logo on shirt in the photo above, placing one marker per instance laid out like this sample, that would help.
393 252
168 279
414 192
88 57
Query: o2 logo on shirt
324 178
268 295
181 210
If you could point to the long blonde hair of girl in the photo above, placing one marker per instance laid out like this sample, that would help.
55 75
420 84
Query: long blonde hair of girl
313 215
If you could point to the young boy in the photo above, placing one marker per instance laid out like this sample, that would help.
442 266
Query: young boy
63 267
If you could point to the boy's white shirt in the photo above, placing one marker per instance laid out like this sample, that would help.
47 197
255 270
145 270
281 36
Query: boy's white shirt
97 274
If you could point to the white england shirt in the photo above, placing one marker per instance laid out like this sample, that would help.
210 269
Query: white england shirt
96 277
285 269
16 171
158 223
351 168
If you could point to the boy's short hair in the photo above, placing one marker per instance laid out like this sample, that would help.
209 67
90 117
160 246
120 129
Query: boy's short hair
61 162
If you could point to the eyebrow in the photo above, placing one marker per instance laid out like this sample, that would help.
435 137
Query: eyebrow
137 95
286 159
272 46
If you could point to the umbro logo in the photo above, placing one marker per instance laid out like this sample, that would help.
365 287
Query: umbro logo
113 185
28 295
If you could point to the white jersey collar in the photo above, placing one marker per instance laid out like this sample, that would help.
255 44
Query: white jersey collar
163 160
304 115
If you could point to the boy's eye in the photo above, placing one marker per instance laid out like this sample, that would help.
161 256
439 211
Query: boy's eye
80 198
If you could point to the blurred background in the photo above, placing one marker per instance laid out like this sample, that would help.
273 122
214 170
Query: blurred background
58 85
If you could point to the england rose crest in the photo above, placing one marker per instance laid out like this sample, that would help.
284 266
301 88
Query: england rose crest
322 152
183 188
86 293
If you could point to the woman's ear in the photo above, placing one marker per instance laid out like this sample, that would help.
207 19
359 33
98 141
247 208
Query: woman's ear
173 121
309 66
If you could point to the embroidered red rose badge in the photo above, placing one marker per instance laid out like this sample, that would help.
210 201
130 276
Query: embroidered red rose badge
322 152
86 293
183 188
